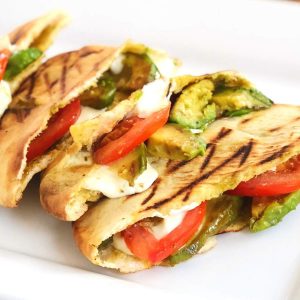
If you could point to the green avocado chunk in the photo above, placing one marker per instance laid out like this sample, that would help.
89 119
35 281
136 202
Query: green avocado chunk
21 60
273 213
238 113
237 99
220 213
193 108
101 95
132 165
175 142
201 103
138 69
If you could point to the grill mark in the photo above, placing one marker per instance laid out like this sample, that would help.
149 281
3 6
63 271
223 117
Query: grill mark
275 129
18 35
158 204
208 146
22 87
208 157
64 73
95 67
169 163
241 151
48 83
246 120
187 195
274 155
247 152
31 85
177 166
222 134
154 188
90 52
21 114
53 83
284 125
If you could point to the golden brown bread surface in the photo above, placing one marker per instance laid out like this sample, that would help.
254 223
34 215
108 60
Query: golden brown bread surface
61 191
238 149
38 33
52 86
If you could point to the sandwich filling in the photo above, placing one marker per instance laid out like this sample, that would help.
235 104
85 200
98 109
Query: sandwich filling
131 75
260 203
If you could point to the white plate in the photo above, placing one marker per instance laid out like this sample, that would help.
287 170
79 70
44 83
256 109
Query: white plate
259 38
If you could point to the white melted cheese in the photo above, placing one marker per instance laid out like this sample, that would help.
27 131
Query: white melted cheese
5 96
88 113
153 98
167 225
120 244
107 181
165 66
117 65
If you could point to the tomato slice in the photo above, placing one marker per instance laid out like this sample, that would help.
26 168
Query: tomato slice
4 56
144 245
57 127
127 135
284 180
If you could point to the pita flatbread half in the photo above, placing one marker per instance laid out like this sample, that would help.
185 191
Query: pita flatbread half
239 149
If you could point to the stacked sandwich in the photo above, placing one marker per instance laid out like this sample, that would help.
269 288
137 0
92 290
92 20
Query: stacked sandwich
149 166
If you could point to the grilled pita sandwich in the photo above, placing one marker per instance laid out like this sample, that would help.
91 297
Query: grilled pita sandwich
22 51
75 180
191 201
71 87
69 184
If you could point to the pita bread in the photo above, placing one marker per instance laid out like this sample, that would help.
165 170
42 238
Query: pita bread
60 191
38 33
239 149
54 85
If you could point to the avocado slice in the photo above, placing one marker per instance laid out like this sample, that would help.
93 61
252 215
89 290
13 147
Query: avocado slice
20 60
269 213
101 95
132 165
202 102
193 107
220 213
238 99
175 142
138 69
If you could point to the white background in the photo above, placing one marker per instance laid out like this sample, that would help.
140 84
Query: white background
261 39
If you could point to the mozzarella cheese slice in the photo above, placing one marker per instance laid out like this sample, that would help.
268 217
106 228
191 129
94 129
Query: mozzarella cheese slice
153 98
5 96
107 181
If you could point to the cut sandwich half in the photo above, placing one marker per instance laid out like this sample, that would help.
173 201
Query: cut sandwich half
94 81
22 51
194 200
112 153
119 163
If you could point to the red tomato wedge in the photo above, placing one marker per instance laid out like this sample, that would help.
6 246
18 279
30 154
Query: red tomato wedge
4 56
57 127
144 245
284 180
127 135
